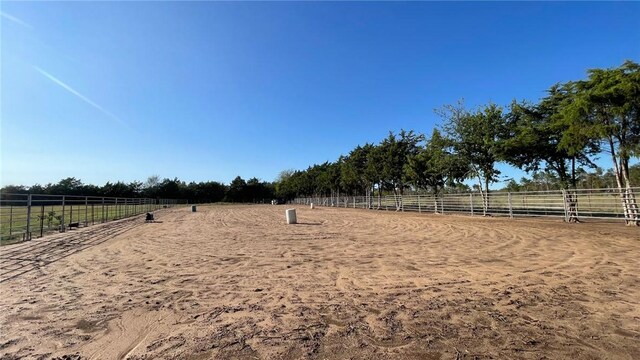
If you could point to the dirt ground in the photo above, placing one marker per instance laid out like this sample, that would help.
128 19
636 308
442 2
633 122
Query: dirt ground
237 282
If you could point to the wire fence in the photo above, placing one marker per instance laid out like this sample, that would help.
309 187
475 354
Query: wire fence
27 216
568 204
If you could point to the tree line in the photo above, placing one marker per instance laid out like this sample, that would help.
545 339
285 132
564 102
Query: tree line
558 137
239 190
257 191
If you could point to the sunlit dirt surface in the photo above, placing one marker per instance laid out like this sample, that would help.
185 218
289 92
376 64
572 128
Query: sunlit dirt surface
237 282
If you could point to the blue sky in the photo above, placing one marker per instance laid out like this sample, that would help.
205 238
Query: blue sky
107 91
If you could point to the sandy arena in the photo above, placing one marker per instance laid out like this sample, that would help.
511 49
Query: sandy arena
237 282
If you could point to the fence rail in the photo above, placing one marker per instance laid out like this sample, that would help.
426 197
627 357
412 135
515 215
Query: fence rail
27 216
568 204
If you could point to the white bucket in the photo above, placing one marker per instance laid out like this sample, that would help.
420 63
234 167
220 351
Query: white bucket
291 216
312 205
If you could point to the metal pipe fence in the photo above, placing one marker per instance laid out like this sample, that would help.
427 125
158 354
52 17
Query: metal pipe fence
578 204
27 216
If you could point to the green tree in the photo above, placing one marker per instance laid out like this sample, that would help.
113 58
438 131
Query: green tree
237 188
210 191
395 152
607 109
284 185
373 172
68 186
435 165
14 189
333 179
476 141
532 135
170 189
150 186
352 171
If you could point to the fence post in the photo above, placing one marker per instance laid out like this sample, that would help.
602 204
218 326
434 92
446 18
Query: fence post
564 205
442 205
86 211
419 208
471 202
28 234
62 218
10 220
510 207
42 221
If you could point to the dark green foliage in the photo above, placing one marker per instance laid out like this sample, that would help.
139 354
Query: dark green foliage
532 135
353 168
475 136
435 165
395 152
202 192
250 191
606 109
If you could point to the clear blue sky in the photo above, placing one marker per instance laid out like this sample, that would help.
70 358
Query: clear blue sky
107 91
